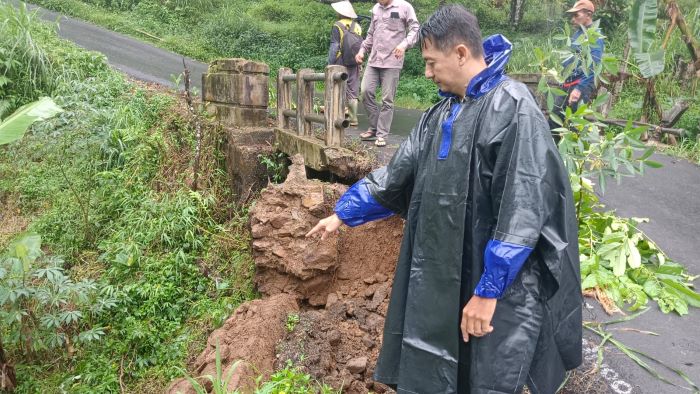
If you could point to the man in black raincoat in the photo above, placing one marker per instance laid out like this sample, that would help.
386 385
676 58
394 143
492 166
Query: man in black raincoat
486 297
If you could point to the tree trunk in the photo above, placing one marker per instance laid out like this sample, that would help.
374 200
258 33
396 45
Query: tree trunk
693 47
517 9
8 381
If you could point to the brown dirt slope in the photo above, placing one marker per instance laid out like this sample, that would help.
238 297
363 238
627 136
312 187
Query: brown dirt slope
342 285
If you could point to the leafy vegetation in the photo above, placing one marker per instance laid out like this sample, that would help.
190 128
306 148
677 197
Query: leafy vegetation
617 260
43 309
289 380
104 184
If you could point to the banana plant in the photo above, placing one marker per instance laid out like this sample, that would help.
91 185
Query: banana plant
16 125
642 33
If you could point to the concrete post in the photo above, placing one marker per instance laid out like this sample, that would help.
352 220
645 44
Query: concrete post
236 92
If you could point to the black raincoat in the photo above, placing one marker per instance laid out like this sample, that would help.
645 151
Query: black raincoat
493 175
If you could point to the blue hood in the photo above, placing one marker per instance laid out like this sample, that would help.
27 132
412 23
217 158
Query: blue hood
497 51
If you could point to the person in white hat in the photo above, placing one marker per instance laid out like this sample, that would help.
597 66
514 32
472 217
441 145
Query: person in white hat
346 38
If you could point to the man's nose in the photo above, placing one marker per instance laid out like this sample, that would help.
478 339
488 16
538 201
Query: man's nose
428 73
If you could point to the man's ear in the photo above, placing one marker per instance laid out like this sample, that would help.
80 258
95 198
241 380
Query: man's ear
463 53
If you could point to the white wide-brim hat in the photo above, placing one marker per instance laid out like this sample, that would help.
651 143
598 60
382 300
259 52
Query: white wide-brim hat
345 9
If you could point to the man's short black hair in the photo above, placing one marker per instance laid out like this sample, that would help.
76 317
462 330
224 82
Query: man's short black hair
451 25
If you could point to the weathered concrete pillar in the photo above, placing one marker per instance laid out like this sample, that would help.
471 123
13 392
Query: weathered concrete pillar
236 91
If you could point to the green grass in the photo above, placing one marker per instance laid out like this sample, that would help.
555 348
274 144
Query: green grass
687 149
92 183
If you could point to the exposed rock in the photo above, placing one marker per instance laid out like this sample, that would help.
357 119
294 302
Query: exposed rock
357 365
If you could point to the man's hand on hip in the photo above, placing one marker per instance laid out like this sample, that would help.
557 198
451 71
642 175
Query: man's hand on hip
574 96
476 317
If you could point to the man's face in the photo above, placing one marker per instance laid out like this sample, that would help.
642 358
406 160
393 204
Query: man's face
384 3
580 18
442 67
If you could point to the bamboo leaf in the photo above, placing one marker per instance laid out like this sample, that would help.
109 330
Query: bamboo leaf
653 164
634 355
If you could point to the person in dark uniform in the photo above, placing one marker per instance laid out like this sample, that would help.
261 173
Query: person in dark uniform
487 291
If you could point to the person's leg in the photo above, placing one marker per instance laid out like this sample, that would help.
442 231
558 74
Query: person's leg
389 80
368 89
353 85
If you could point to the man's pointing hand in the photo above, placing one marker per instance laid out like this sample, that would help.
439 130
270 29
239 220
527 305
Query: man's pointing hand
328 225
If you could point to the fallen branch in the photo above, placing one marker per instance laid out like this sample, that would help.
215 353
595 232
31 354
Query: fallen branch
651 127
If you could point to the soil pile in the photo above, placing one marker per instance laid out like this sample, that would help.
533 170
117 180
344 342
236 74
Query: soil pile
337 292
245 343
341 284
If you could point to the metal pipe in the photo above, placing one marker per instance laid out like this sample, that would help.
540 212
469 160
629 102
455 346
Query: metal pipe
342 123
340 76
314 77
316 118
651 127
289 78
290 113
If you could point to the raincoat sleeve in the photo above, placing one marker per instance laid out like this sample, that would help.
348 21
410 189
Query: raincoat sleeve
522 198
384 192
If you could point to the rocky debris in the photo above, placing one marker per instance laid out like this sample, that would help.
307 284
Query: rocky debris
246 342
357 365
287 262
342 284
339 344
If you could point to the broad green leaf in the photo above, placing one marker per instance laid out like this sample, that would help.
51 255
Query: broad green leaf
619 264
652 288
15 125
662 258
606 249
589 282
600 100
689 296
635 259
650 63
642 25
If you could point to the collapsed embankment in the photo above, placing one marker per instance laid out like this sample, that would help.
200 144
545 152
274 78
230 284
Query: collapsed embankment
338 288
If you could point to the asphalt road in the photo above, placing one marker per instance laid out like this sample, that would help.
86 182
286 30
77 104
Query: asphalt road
669 197
131 56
